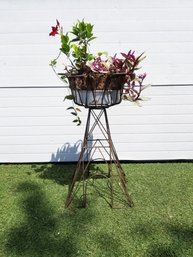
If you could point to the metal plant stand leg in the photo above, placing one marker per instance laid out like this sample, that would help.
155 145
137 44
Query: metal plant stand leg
105 147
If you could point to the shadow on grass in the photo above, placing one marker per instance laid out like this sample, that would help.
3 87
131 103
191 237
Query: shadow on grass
98 180
109 245
39 233
180 241
61 173
163 251
43 232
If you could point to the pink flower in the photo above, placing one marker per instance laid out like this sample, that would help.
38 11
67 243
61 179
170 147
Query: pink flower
142 76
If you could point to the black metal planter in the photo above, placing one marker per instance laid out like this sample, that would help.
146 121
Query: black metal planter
97 89
96 98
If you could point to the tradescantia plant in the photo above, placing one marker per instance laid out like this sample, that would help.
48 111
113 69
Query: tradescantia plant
79 61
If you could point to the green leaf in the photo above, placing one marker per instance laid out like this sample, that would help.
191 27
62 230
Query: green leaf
75 39
75 30
64 78
79 122
69 97
65 39
82 26
102 53
53 62
65 44
92 38
74 113
65 49
89 28
70 108
89 57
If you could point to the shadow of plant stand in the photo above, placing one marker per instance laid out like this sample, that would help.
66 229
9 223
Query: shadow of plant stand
97 121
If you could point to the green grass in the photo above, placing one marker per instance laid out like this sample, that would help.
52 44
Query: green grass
34 223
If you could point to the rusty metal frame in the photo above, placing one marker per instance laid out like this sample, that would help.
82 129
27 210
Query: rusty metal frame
103 145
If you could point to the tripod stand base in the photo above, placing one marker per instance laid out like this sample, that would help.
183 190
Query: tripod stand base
103 146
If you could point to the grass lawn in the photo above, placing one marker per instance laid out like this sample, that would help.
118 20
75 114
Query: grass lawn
34 223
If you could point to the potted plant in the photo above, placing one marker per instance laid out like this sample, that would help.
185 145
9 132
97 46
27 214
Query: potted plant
96 81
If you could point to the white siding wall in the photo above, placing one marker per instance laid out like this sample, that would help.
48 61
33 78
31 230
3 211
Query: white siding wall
34 125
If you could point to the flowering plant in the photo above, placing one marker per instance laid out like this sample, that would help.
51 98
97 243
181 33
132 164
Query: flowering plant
75 46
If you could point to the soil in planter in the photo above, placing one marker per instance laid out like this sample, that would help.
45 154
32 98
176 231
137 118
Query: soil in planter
97 81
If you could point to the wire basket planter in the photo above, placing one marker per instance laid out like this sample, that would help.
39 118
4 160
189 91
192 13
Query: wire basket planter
97 90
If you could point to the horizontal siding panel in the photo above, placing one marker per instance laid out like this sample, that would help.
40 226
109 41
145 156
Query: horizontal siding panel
32 92
58 121
107 37
23 5
117 138
130 156
152 155
33 102
170 100
156 128
42 62
38 29
148 26
41 130
39 139
121 127
169 90
40 75
26 158
152 138
135 147
126 110
100 13
156 110
39 157
15 61
34 112
30 149
157 147
59 92
37 122
49 50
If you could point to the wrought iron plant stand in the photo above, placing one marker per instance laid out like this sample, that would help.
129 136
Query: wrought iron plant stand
97 94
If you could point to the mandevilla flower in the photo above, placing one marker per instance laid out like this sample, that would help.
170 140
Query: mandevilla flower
55 30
